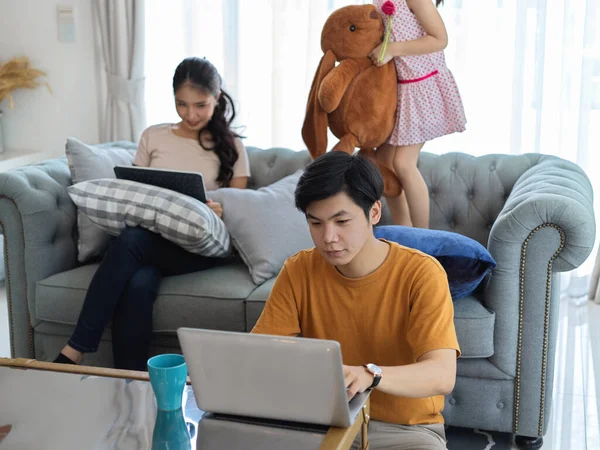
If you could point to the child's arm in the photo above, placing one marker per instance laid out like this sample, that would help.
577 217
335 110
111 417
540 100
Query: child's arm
435 40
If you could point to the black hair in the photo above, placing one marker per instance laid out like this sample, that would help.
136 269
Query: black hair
336 172
201 74
438 2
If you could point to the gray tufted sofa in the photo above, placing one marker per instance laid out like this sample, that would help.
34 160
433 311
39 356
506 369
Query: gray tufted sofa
533 212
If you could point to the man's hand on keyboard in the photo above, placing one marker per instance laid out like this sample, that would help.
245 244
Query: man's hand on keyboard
357 380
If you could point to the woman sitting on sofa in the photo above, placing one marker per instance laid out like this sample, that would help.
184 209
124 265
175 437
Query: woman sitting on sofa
126 283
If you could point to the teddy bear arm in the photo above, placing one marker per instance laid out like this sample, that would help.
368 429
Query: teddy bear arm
336 82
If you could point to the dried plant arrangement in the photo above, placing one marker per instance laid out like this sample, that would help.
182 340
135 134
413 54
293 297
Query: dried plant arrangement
17 73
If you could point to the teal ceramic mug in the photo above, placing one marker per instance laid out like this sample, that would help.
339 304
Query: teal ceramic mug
170 431
168 374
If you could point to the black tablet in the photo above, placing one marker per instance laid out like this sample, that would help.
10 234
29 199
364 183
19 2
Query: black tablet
187 183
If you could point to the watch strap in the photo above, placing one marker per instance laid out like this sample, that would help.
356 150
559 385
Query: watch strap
376 378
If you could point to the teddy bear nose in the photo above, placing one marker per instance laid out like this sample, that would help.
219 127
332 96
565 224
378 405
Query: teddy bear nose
374 15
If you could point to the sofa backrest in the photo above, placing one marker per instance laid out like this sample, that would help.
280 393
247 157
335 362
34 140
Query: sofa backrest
467 193
270 165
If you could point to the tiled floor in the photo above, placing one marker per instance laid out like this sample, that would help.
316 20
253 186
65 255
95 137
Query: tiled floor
575 419
4 339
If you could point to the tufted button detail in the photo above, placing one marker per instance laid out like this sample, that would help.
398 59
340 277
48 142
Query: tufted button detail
471 195
452 224
453 168
431 194
500 405
492 167
271 163
489 226
452 401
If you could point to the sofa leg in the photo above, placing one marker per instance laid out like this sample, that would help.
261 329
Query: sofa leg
529 443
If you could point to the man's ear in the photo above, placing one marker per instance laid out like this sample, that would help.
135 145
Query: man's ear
375 213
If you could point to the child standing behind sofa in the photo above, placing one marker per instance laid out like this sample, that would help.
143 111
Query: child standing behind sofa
429 104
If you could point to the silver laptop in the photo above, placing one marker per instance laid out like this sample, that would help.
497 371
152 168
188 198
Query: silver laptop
269 377
218 433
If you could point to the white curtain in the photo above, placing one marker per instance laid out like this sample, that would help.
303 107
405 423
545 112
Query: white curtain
528 70
266 50
529 75
120 25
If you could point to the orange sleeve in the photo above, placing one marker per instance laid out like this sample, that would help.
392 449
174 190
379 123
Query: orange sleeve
142 156
431 321
280 316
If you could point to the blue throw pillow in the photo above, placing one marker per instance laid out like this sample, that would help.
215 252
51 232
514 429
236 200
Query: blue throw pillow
465 260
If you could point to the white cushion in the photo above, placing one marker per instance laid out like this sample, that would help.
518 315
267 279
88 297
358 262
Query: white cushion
265 225
88 163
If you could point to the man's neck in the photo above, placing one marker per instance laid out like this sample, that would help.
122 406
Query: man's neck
367 261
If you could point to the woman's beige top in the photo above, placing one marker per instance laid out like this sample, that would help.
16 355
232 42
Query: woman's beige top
159 147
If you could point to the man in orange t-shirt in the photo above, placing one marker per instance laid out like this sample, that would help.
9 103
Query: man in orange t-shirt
388 306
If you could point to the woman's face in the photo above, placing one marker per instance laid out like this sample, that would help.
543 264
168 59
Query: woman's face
194 106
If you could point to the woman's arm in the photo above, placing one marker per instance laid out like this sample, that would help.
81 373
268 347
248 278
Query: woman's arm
239 182
435 40
142 156
241 168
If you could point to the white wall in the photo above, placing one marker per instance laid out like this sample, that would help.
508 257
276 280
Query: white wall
40 120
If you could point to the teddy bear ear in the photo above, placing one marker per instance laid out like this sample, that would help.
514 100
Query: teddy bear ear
314 129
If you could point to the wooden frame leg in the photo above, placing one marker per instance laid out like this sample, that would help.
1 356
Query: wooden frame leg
364 438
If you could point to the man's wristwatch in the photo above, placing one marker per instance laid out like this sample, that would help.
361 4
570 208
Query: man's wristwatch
376 372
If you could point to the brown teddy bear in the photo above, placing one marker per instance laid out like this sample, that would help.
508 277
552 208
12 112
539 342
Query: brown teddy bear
355 98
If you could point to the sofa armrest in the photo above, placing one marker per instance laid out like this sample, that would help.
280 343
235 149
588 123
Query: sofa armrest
38 221
546 226
553 192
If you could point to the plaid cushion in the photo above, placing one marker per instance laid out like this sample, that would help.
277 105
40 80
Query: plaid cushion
112 204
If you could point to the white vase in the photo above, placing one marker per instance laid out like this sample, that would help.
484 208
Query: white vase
1 134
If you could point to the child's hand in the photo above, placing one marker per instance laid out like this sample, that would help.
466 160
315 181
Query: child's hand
374 55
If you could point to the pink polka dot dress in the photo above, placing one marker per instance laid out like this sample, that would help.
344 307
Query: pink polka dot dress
429 104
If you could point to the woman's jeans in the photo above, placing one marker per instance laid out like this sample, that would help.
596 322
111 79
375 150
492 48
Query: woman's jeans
124 289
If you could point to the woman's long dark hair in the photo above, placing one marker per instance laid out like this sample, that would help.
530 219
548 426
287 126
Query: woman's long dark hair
438 2
201 74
